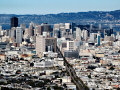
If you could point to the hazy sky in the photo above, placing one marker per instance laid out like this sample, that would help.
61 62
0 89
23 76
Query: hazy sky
56 6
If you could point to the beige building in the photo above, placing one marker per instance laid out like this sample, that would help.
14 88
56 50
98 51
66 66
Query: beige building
38 30
99 55
40 44
2 57
67 25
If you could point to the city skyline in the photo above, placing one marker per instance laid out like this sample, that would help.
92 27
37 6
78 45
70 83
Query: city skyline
59 45
53 7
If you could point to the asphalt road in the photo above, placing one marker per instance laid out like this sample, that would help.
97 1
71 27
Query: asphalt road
76 80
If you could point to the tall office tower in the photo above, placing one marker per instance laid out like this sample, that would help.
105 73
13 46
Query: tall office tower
85 35
52 43
67 26
104 33
7 33
92 37
62 29
45 27
111 30
31 30
118 35
73 25
56 31
0 30
23 26
78 34
19 35
111 27
40 44
44 44
100 27
91 27
38 30
62 26
98 40
14 22
13 34
0 27
56 27
74 34
26 33
62 33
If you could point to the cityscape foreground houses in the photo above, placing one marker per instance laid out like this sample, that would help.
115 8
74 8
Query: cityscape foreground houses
63 56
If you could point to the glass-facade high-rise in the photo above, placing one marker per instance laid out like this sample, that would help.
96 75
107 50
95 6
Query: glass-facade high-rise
14 22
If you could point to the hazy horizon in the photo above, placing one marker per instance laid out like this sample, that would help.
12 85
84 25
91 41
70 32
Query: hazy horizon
58 12
42 7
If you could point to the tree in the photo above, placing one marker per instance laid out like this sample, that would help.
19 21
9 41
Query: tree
31 64
18 71
112 68
89 76
65 86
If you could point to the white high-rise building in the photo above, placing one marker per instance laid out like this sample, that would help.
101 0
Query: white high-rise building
118 36
70 45
92 37
91 26
100 27
19 35
40 44
111 26
67 25
0 29
31 29
26 33
85 34
78 34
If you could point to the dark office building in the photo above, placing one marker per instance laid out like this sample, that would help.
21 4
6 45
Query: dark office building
45 27
109 32
73 25
51 44
14 22
71 54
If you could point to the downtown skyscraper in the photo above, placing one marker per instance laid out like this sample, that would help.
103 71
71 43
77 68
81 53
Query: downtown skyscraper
14 22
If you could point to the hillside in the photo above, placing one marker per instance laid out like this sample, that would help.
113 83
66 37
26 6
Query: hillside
80 17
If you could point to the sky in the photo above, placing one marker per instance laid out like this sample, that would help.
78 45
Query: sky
56 6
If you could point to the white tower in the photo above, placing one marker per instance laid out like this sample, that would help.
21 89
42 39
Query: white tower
0 29
85 35
19 35
78 34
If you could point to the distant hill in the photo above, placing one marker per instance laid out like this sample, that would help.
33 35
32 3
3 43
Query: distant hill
80 17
